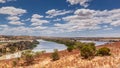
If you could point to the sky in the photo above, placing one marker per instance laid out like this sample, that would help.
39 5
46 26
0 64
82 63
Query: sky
63 18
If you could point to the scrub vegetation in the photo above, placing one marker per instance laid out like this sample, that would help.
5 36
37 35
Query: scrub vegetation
17 46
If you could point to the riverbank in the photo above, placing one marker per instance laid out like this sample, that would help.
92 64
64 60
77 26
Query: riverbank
43 46
12 47
73 60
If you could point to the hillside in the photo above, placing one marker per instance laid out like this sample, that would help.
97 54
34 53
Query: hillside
73 60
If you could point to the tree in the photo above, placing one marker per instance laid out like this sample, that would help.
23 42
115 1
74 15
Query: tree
104 51
88 51
55 55
70 48
28 56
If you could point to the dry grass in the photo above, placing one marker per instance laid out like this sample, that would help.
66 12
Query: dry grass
73 60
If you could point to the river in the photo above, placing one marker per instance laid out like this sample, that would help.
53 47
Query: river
97 43
43 45
49 46
46 46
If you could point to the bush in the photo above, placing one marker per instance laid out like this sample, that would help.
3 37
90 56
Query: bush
55 55
104 51
88 51
28 56
35 42
14 63
37 54
70 48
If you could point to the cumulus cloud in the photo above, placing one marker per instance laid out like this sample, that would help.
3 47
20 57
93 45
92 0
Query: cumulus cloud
4 1
13 18
12 11
36 20
13 14
39 28
86 19
116 23
3 26
37 16
16 23
54 12
20 30
80 20
83 3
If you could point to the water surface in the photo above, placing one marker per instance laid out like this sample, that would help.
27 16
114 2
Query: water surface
42 46
49 46
97 43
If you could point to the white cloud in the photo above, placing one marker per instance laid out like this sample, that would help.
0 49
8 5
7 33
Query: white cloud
16 23
3 26
20 30
13 18
82 19
24 20
108 28
36 20
116 23
37 16
4 1
13 14
54 12
12 11
39 28
86 19
83 3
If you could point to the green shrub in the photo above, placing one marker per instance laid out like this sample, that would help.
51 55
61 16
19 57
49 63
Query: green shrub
14 63
70 48
38 53
88 51
104 51
55 55
28 56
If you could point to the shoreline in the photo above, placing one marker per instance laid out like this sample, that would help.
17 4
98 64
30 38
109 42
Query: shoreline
63 51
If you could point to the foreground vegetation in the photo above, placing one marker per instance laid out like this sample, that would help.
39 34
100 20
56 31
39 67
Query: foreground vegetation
69 59
87 50
77 55
17 46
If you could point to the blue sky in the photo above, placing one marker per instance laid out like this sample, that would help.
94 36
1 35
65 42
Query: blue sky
74 18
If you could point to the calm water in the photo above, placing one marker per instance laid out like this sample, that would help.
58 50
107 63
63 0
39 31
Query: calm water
46 46
97 43
49 46
43 46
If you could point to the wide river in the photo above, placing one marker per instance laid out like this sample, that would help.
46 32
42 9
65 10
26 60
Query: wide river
46 46
49 46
